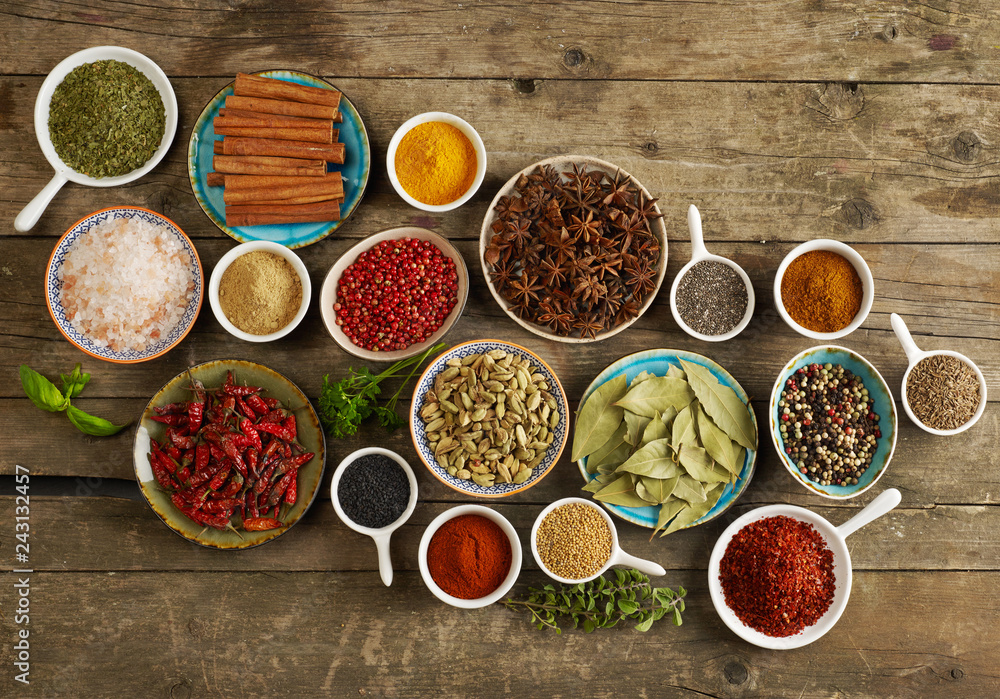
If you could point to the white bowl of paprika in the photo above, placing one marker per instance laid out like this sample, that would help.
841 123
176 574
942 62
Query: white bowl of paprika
436 161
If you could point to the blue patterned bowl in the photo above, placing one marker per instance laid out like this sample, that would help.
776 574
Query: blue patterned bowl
355 170
53 286
423 446
883 404
658 361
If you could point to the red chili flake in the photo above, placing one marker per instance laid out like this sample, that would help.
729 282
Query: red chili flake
777 575
396 294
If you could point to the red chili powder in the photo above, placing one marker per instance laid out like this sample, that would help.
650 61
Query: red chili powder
469 556
777 575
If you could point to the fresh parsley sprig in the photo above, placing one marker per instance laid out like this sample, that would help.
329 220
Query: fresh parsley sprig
46 396
602 603
344 405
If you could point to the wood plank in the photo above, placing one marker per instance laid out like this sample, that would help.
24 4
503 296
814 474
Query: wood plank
302 634
110 534
854 41
769 162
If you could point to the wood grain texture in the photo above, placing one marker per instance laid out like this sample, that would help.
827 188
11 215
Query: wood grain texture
315 634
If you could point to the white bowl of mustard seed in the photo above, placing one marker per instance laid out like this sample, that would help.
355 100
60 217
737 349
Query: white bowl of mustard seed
266 295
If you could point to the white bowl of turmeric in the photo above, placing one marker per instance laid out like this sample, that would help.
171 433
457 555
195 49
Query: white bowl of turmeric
259 291
436 161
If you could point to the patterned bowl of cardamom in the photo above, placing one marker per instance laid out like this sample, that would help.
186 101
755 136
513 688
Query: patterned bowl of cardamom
436 161
259 291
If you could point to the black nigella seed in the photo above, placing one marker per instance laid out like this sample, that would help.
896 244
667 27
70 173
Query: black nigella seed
373 491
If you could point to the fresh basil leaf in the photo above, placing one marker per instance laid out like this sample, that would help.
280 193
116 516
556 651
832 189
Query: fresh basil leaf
74 383
42 392
91 424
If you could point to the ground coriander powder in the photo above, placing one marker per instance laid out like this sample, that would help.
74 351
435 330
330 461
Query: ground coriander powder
260 292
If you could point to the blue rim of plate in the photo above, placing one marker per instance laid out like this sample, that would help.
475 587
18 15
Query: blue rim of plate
355 170
53 285
657 361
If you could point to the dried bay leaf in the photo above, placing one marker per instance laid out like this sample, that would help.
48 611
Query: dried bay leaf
716 442
655 460
669 416
599 417
722 405
655 395
683 430
635 425
620 491
700 466
640 377
669 510
655 430
675 372
689 489
689 515
642 492
603 454
660 489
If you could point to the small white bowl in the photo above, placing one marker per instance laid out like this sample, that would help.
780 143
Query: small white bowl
867 286
458 123
515 556
382 534
32 212
836 540
328 294
914 355
617 558
700 254
239 251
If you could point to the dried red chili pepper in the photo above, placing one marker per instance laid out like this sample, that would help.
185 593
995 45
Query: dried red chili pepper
259 524
171 419
257 404
292 492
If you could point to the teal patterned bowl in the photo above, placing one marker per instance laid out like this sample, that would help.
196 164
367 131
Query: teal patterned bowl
883 404
658 361
355 170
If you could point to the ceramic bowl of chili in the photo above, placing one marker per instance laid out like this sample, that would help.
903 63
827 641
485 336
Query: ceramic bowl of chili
781 553
336 312
471 560
834 321
425 448
880 403
239 251
436 155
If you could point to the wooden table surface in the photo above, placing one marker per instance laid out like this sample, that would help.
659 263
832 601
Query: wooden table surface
876 124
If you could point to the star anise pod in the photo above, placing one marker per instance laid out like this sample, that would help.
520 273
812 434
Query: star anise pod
553 271
585 228
503 274
523 289
588 325
589 289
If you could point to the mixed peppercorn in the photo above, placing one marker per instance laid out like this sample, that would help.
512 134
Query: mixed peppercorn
828 424
396 294
226 452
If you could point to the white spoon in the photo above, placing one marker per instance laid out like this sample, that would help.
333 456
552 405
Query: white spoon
913 355
700 254
836 540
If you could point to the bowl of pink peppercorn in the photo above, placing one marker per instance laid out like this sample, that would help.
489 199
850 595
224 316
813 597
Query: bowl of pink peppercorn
394 294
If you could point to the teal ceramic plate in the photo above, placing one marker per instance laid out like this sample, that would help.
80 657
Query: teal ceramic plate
357 165
658 361
213 374
884 406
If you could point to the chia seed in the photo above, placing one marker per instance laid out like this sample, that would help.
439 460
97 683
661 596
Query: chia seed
373 491
712 298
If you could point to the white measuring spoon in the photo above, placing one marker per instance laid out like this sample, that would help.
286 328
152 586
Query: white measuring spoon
836 540
913 355
618 557
699 253
30 214
382 534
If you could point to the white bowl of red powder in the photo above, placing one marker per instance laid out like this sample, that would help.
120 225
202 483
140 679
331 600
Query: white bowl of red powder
397 315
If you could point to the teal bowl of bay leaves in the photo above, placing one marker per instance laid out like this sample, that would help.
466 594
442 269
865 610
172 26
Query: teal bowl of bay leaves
665 439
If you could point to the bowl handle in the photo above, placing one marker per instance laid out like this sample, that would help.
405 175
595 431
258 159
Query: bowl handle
875 509
384 561
698 249
30 214
642 565
904 337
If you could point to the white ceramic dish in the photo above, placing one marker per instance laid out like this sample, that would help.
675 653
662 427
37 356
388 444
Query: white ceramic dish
563 163
836 540
700 254
328 293
30 214
913 355
515 556
867 287
382 534
618 557
458 123
239 251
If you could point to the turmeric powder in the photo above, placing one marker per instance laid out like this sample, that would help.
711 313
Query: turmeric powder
435 163
821 291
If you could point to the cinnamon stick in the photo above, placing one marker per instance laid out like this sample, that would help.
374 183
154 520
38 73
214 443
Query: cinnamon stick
262 165
270 88
281 134
299 109
215 179
235 220
241 117
240 189
331 153
322 207
294 200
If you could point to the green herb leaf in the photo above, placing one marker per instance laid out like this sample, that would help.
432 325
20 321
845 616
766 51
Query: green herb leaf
41 391
656 395
73 383
599 418
91 424
635 425
717 443
655 459
722 405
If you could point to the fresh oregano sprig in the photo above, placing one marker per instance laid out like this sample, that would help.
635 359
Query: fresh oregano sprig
602 603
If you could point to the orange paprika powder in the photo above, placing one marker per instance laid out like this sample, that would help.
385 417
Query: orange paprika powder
469 556
821 291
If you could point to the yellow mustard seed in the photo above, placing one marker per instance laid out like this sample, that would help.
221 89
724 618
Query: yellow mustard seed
574 541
